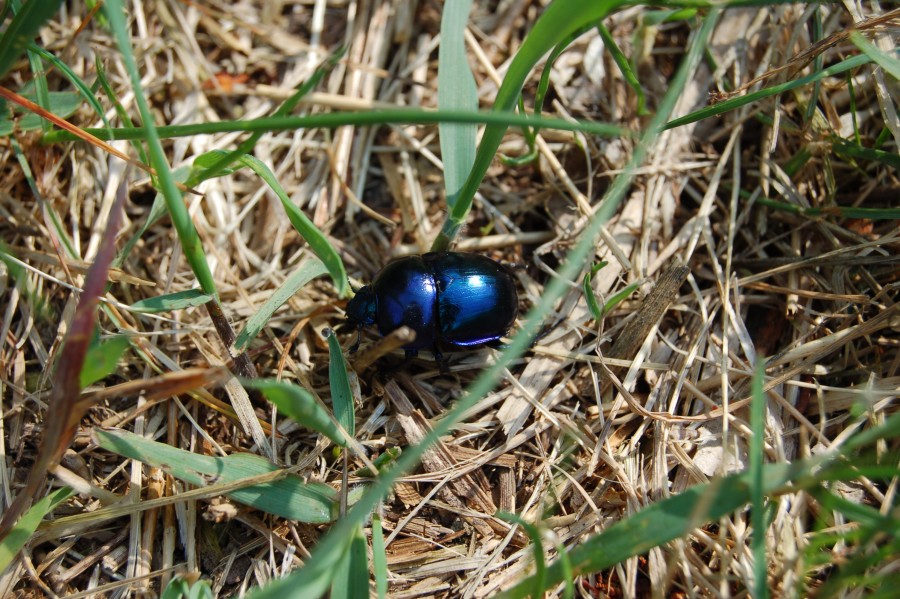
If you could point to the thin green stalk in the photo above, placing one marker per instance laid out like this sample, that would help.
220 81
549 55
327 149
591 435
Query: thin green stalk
757 488
331 120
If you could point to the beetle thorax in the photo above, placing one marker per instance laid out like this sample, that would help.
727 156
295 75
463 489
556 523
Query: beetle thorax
361 308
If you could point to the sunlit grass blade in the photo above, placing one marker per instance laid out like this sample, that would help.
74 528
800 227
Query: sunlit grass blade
282 494
299 404
181 219
317 241
456 91
22 29
303 274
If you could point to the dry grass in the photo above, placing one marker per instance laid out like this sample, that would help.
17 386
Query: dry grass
556 442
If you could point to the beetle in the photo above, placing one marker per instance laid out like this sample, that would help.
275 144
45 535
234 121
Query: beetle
450 299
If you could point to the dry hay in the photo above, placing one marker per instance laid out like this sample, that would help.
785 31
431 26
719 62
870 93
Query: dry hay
556 442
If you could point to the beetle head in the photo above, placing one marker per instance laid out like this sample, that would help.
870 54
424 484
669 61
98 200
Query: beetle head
361 307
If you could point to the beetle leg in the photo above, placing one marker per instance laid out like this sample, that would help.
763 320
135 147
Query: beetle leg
355 346
441 362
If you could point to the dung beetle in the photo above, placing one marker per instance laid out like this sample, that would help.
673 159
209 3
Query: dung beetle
450 299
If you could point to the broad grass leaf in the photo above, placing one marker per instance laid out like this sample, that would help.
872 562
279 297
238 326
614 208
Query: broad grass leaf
288 496
341 395
351 579
297 403
456 91
27 524
102 359
178 300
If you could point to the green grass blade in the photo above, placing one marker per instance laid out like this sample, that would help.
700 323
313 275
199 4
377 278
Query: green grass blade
838 211
317 241
181 219
619 297
341 396
624 67
587 287
332 120
178 300
27 524
556 24
757 490
379 558
351 579
83 88
734 103
287 496
660 523
300 405
102 359
303 274
22 29
456 91
887 62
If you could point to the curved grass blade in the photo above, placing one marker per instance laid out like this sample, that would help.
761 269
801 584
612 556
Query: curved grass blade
624 68
286 496
303 274
556 24
332 120
733 103
181 219
317 241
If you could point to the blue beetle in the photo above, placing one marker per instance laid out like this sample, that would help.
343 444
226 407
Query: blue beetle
450 299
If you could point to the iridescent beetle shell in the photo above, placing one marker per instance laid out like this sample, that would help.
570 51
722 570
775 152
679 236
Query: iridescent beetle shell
450 299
